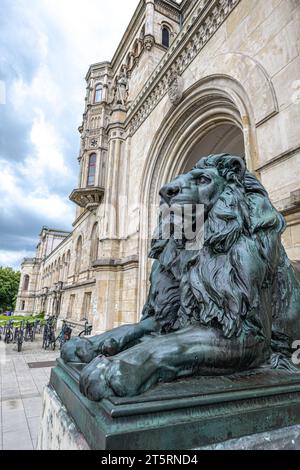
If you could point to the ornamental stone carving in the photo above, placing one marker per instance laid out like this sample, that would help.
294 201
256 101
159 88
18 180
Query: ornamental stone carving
175 88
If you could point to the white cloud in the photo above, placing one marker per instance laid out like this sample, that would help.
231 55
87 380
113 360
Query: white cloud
38 201
46 54
47 158
14 258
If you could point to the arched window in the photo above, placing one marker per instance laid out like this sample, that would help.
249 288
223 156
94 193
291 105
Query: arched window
63 268
98 93
59 269
165 36
26 282
94 244
92 170
68 259
78 255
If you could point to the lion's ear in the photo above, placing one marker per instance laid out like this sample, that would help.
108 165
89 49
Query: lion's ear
233 168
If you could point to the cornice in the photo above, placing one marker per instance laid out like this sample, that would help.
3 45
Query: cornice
98 66
171 9
77 285
201 24
58 247
112 264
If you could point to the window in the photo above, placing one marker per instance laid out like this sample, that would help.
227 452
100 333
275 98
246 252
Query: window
92 170
78 255
71 306
165 37
86 306
98 93
26 282
23 305
68 265
94 243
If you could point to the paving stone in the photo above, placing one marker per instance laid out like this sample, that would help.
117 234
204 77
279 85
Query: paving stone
16 440
34 425
32 406
21 395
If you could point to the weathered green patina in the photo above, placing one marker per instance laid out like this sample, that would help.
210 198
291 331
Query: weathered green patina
230 306
186 414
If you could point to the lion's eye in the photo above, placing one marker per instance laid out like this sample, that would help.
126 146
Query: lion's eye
203 180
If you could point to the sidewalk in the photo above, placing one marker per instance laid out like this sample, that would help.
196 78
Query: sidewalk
23 377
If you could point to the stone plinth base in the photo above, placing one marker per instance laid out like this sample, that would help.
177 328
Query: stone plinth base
57 429
280 439
59 432
187 414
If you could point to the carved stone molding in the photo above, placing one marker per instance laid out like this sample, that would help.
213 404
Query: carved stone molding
148 42
204 20
88 198
175 91
167 10
289 205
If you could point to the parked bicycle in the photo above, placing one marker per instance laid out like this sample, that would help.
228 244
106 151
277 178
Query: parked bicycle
87 329
64 335
29 332
19 336
9 332
49 339
2 329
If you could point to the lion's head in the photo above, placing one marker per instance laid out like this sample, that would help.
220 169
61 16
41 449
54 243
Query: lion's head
228 283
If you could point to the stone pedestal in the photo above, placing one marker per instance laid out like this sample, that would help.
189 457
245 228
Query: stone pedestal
57 429
186 414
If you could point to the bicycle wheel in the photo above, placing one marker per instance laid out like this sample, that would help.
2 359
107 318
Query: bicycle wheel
9 337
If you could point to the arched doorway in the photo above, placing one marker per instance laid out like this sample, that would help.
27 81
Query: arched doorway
215 116
224 138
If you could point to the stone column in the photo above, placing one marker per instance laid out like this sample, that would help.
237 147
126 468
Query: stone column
149 25
105 88
123 187
116 132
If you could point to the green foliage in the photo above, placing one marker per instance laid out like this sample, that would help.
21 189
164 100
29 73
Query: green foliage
19 318
9 285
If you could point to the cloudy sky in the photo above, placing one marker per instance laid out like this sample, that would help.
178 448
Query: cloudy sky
46 47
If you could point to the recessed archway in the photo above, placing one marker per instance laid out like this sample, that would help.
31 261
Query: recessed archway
224 138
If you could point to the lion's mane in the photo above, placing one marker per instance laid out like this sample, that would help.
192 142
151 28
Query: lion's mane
231 278
241 280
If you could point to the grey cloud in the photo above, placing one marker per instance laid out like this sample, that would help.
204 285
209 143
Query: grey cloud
21 224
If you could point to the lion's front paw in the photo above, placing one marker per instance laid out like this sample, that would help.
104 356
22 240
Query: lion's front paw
93 383
78 350
105 377
124 378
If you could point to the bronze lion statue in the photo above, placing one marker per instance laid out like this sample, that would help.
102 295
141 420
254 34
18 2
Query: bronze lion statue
230 306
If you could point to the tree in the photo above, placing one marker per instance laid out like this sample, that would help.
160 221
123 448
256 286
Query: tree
9 285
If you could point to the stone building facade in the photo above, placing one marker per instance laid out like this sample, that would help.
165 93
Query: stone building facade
187 80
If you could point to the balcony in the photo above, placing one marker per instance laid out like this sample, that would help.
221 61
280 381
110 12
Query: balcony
89 198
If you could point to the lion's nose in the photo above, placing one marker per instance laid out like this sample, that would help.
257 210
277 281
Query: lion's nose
168 191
